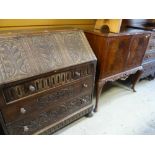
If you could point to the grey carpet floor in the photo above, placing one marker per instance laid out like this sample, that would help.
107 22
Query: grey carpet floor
121 111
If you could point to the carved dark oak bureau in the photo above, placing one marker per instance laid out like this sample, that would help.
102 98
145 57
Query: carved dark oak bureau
46 80
119 55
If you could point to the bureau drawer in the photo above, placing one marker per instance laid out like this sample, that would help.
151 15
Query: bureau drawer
33 124
28 106
149 56
28 88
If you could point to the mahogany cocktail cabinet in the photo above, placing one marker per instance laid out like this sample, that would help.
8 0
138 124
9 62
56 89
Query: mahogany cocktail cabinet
119 55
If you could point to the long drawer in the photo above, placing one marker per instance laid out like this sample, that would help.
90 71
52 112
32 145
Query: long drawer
15 91
31 125
30 106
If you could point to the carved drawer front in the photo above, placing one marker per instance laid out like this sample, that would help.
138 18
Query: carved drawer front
33 124
149 56
25 89
26 107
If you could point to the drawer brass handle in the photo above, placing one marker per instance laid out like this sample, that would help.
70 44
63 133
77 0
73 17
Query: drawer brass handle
77 73
32 88
22 110
26 129
83 100
85 85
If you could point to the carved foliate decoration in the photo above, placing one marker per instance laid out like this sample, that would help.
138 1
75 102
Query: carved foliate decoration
46 79
53 129
38 53
13 60
41 84
48 99
122 75
50 116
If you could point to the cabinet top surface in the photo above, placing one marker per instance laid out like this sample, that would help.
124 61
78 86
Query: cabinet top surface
25 54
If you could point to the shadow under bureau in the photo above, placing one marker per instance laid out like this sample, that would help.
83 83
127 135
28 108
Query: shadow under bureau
46 80
119 55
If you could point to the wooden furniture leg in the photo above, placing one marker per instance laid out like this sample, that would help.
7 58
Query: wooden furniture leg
99 87
1 130
136 78
90 114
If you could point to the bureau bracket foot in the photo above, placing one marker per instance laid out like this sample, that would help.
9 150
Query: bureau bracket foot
90 114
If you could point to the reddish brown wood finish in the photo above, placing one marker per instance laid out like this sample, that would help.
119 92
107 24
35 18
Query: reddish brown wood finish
119 55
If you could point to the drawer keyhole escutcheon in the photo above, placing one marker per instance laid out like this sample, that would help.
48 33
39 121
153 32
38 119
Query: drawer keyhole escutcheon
22 110
32 88
26 129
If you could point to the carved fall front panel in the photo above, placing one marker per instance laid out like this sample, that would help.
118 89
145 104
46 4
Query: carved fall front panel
30 55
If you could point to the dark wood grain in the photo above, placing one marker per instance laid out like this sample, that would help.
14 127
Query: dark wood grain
47 80
39 102
49 116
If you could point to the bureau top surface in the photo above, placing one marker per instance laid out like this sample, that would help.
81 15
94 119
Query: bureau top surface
125 33
24 54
